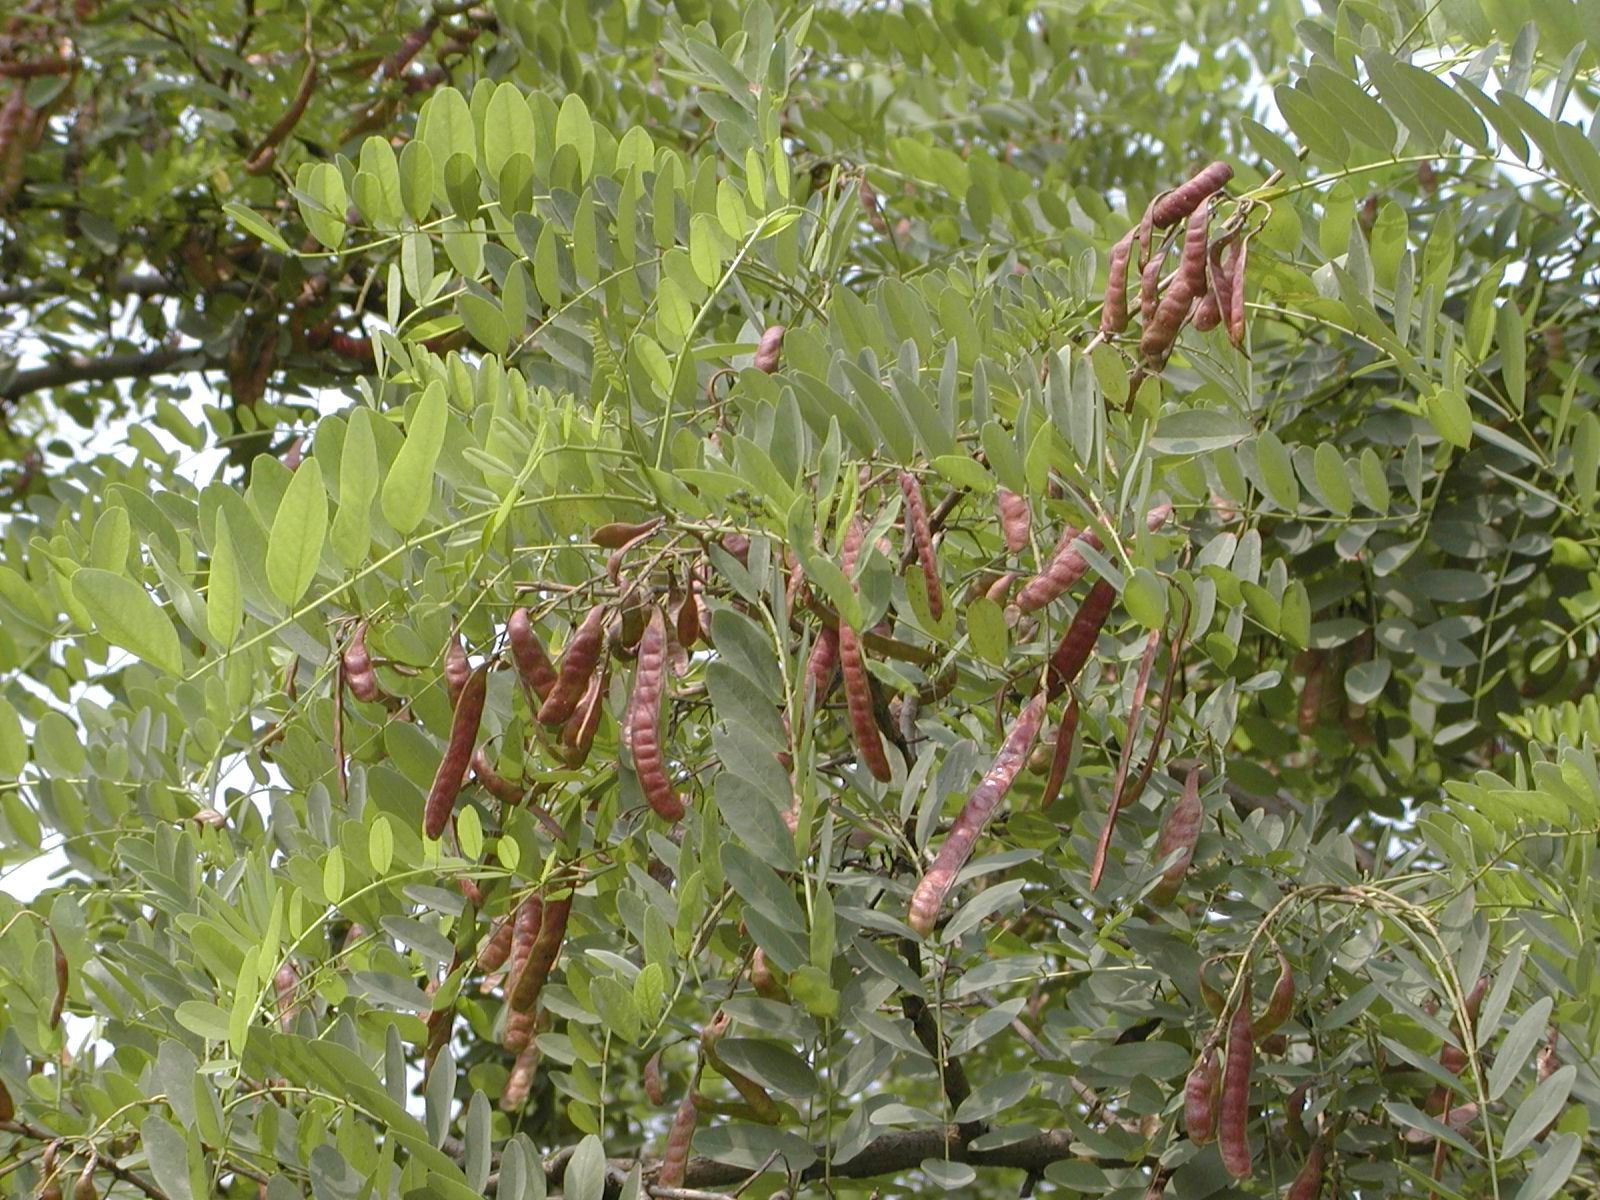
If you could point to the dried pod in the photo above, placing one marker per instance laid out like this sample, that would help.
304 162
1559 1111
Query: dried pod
1200 1098
738 545
456 668
1150 289
577 735
1233 1133
496 948
533 663
857 685
1077 642
1161 331
526 921
1280 1003
930 892
1015 519
642 726
620 534
578 662
83 1188
526 985
769 349
359 675
1114 306
496 784
1180 831
285 984
651 1077
688 619
1067 565
1307 1183
675 1155
1183 200
922 541
1000 590
1233 312
519 1083
1061 754
452 770
763 980
822 664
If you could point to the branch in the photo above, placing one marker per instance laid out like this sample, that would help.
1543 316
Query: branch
261 158
79 368
105 1164
33 70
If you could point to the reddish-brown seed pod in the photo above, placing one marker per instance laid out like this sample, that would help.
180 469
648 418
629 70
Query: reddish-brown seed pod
496 947
1200 1098
471 890
1454 1058
1234 310
1000 590
822 664
769 349
620 534
763 980
930 892
738 545
1114 306
577 735
1161 331
496 784
359 675
675 1155
1184 199
578 661
642 724
1015 519
651 1078
457 754
1061 753
519 1083
1208 313
857 685
1307 1184
525 987
532 661
922 540
525 932
60 963
1233 1132
456 668
83 1188
1180 831
285 983
8 1106
688 619
1077 642
1067 565
1280 1003
1150 289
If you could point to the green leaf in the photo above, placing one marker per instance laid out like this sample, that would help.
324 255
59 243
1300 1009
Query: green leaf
507 130
408 488
323 202
224 592
167 1152
575 128
1542 1106
1198 430
1551 1169
380 844
1277 471
351 534
585 1176
1332 481
256 225
986 629
1145 598
1519 1042
485 322
13 743
1451 417
126 616
298 530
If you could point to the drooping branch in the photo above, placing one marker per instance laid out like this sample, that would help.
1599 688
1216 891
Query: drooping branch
261 158
80 368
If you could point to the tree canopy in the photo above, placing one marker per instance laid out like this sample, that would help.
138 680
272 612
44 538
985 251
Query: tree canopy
713 600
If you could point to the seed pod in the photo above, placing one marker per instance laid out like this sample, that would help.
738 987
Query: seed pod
457 754
922 540
1067 566
620 534
60 963
1077 643
1183 200
1281 1003
533 664
1294 1108
519 1024
1307 1184
496 947
577 735
641 732
471 890
285 983
1161 332
1150 289
578 661
822 665
496 784
456 668
769 349
1234 1127
1114 306
857 686
738 545
1200 1098
763 980
1208 313
688 620
210 818
1180 831
930 892
519 1083
8 1106
1015 518
525 988
84 1188
1454 1058
1548 1061
1234 310
675 1155
1061 754
359 675
1208 992
651 1077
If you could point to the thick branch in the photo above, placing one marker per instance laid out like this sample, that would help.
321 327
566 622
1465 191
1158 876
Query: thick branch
79 368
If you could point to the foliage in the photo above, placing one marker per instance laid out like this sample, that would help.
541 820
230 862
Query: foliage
481 287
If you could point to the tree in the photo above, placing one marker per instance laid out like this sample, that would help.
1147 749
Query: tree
800 598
